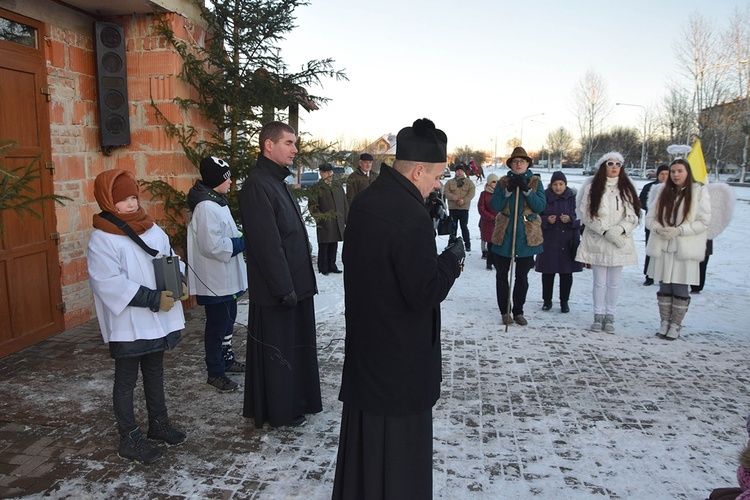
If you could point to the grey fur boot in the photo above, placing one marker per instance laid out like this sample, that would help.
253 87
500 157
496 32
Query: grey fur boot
665 312
679 309
609 323
596 326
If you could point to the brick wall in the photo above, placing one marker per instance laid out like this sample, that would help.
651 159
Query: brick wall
152 74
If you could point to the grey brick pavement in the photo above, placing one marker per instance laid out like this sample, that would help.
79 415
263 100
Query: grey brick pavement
546 411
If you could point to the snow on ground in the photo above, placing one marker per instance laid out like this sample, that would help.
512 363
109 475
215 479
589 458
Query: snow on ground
549 410
555 410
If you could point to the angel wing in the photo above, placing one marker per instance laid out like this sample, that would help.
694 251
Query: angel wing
722 200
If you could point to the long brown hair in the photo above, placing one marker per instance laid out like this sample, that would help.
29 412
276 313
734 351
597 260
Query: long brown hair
626 188
672 195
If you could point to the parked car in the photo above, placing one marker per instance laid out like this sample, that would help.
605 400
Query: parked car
341 172
650 173
590 170
447 174
736 178
308 178
633 172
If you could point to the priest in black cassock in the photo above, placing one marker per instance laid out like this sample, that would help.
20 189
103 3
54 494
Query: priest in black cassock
282 382
394 282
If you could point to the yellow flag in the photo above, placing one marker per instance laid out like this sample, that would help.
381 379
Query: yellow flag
697 163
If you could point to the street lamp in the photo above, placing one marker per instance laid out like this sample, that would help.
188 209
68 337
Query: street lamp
643 147
522 119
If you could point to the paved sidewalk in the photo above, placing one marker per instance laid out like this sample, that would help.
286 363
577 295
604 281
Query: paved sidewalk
545 410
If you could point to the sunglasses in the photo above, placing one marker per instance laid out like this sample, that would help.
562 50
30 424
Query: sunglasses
614 164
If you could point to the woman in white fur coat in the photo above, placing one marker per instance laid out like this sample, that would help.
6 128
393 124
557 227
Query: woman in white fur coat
609 208
678 218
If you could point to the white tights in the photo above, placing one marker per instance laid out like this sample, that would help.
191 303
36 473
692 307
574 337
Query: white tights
606 288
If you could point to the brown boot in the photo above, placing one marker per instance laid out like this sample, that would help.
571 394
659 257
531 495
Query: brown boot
507 319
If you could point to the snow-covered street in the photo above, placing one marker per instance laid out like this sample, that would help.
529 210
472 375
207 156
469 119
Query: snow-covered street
550 410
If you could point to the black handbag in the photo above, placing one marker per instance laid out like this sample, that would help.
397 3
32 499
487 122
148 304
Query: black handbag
166 267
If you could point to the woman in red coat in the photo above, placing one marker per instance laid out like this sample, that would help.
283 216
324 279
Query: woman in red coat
487 218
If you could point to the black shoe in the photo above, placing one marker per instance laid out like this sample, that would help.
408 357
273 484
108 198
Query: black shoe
547 305
648 282
162 430
336 271
223 384
323 273
564 307
484 254
134 447
235 367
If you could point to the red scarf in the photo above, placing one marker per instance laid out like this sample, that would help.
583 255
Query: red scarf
139 221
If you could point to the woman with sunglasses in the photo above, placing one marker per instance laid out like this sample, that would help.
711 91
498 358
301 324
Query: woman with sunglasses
609 208
678 217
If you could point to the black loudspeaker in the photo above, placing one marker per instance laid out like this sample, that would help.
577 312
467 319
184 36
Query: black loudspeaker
112 85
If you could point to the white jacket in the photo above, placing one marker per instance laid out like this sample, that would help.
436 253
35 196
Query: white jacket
213 271
691 242
613 211
117 268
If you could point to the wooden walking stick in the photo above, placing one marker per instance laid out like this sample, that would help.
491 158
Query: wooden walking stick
512 253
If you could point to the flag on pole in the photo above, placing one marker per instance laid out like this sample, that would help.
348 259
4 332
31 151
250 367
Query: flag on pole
697 163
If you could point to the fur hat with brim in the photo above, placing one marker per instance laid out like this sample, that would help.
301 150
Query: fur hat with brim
519 152
612 155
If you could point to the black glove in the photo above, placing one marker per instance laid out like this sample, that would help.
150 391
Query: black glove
457 248
289 300
519 182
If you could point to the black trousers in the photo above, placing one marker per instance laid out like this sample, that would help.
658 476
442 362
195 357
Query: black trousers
703 266
520 285
126 375
462 218
548 285
327 256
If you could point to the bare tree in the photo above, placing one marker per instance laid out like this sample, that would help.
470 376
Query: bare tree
676 115
737 46
591 108
560 143
697 50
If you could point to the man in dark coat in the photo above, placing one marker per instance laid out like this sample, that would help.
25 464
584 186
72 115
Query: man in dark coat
360 178
282 383
328 205
394 282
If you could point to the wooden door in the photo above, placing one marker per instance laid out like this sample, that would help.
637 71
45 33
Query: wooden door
31 306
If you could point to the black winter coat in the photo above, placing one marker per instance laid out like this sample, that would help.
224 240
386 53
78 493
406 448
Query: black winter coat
276 243
394 281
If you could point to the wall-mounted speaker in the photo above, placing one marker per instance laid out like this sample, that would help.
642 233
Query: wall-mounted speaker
112 85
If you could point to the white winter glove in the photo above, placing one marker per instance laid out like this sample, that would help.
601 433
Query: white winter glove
668 232
615 236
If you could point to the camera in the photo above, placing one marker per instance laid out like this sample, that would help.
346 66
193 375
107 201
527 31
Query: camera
435 206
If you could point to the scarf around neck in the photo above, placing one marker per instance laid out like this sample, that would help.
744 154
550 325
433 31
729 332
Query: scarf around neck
139 220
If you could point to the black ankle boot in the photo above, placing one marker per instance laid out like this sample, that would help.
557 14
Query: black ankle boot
547 305
134 447
564 307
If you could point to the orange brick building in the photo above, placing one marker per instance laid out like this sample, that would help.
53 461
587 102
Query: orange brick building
48 104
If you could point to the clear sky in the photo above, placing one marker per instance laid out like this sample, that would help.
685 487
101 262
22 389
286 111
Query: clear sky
477 67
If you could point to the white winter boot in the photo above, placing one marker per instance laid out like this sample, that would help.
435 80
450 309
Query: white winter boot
679 309
665 312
